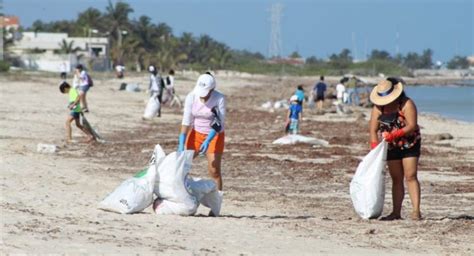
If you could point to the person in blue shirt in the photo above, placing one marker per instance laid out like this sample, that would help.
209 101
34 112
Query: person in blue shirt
300 94
318 91
295 114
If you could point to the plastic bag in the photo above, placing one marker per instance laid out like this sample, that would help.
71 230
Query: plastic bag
173 197
152 107
367 187
206 193
136 193
295 138
133 195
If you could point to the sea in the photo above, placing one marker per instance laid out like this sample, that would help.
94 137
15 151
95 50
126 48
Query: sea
449 101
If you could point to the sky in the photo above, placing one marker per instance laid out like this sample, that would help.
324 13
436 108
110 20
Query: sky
313 28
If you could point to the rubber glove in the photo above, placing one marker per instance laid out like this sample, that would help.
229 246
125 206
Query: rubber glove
205 144
373 144
181 141
395 134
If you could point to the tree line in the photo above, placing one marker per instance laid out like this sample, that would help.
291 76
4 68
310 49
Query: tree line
139 42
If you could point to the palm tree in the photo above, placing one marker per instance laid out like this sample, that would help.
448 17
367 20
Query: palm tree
117 15
90 18
67 47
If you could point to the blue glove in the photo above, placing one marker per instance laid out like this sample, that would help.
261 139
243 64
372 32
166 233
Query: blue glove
205 144
181 141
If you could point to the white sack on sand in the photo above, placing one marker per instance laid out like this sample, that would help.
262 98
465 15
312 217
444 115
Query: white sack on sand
295 138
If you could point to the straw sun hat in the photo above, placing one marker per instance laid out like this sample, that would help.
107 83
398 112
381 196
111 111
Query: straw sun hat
385 92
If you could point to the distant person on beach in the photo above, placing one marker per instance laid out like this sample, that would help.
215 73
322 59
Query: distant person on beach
340 90
203 124
84 86
74 107
63 69
156 85
300 94
319 90
353 94
294 116
120 71
394 117
169 87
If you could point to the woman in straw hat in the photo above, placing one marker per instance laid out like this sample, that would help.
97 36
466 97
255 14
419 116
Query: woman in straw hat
394 117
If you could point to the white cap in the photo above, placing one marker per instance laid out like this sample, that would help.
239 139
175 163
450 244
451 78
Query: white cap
294 98
204 85
151 69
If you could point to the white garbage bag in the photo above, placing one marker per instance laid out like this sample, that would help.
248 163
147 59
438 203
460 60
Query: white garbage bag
173 197
152 107
368 184
295 138
135 194
206 193
213 200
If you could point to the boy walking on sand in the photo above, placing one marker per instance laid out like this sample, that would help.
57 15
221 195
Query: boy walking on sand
294 116
75 111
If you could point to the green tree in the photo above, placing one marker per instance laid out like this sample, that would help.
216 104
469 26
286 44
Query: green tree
295 55
341 60
67 47
458 62
379 55
117 19
89 19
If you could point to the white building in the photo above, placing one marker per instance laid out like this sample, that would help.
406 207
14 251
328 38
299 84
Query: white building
38 50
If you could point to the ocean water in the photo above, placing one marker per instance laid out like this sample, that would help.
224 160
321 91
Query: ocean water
456 102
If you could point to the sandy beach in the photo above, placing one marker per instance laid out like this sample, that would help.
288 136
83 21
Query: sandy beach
279 200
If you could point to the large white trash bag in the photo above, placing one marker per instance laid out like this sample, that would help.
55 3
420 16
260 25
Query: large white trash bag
173 197
368 184
206 193
133 195
152 107
295 138
136 193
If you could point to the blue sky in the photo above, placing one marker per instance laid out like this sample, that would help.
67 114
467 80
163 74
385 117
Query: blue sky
311 27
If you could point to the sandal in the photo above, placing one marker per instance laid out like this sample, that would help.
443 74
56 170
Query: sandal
391 217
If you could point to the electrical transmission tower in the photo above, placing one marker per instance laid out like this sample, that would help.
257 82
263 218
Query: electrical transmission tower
275 48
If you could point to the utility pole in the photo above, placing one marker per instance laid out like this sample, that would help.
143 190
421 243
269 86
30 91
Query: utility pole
354 46
275 48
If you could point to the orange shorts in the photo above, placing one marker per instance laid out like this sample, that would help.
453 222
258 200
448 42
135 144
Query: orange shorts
195 139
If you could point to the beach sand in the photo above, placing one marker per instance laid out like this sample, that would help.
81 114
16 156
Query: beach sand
276 202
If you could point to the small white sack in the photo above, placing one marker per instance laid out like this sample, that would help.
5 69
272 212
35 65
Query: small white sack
368 184
136 193
295 138
206 193
133 195
152 107
170 185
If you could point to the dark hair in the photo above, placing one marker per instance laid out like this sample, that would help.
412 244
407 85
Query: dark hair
171 72
394 81
300 87
321 78
155 71
63 86
80 67
209 73
344 80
